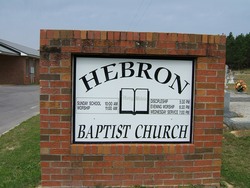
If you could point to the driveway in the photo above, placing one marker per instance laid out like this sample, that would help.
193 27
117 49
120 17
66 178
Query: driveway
17 104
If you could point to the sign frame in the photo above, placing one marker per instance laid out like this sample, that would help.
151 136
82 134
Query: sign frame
125 58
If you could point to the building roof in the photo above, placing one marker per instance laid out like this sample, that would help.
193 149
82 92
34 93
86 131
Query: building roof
10 48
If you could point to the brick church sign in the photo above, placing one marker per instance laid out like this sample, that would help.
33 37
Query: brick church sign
120 109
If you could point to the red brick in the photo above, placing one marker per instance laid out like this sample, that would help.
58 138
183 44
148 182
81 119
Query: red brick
216 66
60 70
50 90
43 70
60 164
59 151
117 35
156 51
200 92
129 164
149 36
97 35
50 131
51 183
206 85
44 111
60 111
102 177
207 73
60 138
77 34
216 79
51 171
45 177
61 125
123 177
143 36
201 66
66 34
130 36
49 118
214 119
136 36
60 84
199 118
133 170
205 99
60 177
215 106
83 34
49 145
110 35
193 169
44 83
74 49
60 97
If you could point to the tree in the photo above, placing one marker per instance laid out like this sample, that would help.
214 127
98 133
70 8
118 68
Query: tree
229 50
238 51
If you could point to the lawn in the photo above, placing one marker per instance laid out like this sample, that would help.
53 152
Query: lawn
236 158
236 152
19 157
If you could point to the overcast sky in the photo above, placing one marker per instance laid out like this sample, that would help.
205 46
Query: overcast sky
21 20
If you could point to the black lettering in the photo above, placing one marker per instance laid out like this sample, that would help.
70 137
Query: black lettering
95 78
90 132
140 70
173 136
128 69
126 130
157 72
161 75
147 131
113 132
166 129
98 130
183 131
178 79
81 132
107 127
119 131
106 72
157 135
136 131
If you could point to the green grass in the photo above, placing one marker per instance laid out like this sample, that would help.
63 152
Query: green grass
236 159
20 156
236 150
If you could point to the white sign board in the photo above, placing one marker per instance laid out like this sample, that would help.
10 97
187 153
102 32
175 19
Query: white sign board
132 100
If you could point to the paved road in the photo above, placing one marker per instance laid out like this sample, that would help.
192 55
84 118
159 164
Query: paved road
17 104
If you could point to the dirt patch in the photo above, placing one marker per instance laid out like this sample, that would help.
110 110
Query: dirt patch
227 185
241 133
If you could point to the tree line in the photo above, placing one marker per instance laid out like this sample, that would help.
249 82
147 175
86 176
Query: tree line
238 51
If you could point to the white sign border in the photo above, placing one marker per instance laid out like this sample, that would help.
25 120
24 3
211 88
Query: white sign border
74 58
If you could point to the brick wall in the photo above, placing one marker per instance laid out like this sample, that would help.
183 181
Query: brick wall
64 164
13 70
